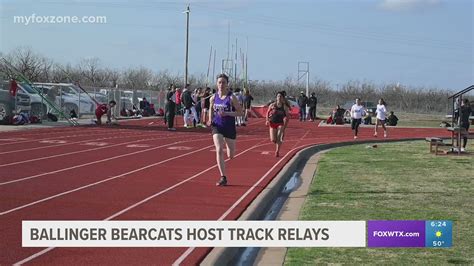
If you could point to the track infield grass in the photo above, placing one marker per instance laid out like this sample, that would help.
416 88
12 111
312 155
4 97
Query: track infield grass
395 181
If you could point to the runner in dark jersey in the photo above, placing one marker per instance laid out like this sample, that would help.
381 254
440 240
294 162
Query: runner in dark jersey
224 107
277 118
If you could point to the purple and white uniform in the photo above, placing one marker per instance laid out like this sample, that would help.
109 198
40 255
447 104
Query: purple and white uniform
224 125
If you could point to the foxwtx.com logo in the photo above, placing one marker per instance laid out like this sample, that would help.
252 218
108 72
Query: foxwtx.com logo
395 234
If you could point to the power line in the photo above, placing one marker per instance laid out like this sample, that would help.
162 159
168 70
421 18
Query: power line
287 23
341 47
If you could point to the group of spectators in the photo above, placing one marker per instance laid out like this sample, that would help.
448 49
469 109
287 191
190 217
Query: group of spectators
145 108
194 105
304 102
340 116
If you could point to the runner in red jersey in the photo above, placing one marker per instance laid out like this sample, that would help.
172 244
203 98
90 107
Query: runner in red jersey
103 109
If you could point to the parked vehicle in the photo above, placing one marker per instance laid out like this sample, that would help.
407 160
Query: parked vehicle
127 98
8 107
68 97
38 105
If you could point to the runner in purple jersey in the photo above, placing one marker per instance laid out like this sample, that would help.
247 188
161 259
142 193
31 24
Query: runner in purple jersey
224 107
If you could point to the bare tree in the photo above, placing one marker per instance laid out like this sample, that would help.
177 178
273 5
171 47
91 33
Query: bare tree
33 66
66 73
5 71
113 77
134 79
89 68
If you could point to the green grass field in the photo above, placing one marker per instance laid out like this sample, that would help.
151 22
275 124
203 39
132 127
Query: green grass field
420 120
396 181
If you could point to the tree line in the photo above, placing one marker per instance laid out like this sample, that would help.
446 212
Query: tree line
91 72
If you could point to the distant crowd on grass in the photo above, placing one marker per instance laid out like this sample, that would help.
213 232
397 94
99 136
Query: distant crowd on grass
341 116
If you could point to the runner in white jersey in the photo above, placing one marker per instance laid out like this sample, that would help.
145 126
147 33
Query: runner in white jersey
381 117
357 112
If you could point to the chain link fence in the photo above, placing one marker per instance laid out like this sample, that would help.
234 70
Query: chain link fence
70 99
128 101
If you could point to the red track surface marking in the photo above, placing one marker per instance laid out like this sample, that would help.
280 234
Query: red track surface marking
60 137
75 151
159 193
35 189
223 216
68 143
157 184
63 132
97 158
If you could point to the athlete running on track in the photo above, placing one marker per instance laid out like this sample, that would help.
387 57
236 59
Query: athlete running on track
357 112
277 117
381 113
224 107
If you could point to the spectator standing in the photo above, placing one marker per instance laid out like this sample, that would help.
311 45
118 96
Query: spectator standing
312 102
302 103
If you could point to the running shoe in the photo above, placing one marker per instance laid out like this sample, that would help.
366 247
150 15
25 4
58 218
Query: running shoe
222 182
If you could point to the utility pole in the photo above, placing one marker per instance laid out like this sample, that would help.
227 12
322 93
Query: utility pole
303 69
187 46
235 65
246 63
208 67
214 68
228 39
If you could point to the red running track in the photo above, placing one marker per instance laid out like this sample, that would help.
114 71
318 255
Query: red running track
140 171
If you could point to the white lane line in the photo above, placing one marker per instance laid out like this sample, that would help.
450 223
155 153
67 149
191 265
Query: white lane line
86 164
12 139
70 143
167 137
99 139
98 182
85 132
46 250
48 132
87 150
223 216
299 140
142 201
58 137
175 185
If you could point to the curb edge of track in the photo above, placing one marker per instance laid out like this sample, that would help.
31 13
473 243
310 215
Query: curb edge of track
261 204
